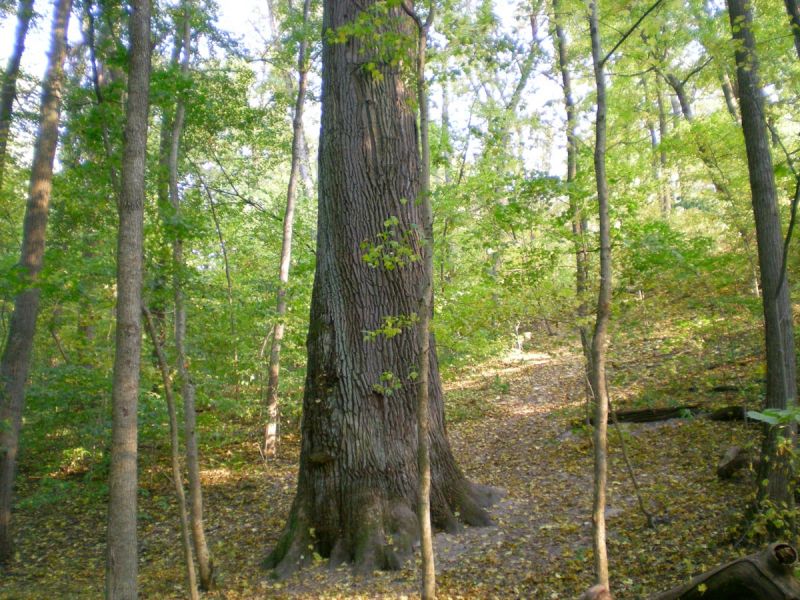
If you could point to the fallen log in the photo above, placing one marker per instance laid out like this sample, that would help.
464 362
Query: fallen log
648 415
729 413
766 575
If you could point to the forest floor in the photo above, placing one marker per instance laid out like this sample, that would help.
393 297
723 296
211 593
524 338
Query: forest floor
514 424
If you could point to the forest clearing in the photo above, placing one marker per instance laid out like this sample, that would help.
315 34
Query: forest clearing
396 298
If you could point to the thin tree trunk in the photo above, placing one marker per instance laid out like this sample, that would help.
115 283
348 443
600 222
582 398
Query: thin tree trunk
579 224
599 339
177 471
730 97
304 164
424 314
121 559
187 385
663 130
16 359
271 431
715 173
794 19
229 282
97 83
775 474
9 91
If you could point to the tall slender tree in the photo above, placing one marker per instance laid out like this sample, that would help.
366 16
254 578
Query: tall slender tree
424 312
122 557
775 475
204 563
600 336
175 454
16 359
298 139
9 90
579 220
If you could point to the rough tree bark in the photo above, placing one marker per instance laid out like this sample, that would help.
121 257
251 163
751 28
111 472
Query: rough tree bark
16 359
357 487
775 467
121 558
9 91
600 337
271 431
204 563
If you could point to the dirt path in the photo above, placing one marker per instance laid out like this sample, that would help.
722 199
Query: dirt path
541 544
509 427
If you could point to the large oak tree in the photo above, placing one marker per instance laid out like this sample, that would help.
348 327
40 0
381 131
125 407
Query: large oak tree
356 492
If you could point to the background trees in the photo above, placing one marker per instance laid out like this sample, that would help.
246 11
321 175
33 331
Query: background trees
517 256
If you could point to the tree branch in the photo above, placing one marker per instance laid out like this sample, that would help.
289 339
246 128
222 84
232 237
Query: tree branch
628 33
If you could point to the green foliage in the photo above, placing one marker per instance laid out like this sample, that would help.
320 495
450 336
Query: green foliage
393 248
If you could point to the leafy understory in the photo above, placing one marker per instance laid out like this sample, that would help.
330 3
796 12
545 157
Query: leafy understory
515 428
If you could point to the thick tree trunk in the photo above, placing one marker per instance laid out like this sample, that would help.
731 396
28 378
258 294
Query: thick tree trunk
775 467
121 559
175 454
357 487
599 339
16 360
271 432
9 91
204 563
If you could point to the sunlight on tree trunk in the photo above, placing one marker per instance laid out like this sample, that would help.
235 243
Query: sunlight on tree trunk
187 385
599 339
424 314
271 432
122 557
9 90
16 359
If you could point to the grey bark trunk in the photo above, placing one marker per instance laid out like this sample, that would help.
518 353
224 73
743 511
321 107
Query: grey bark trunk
599 339
424 315
775 467
357 487
229 285
16 359
794 20
271 431
9 91
579 222
204 563
663 130
121 558
175 455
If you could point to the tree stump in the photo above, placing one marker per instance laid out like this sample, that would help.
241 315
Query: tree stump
766 575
